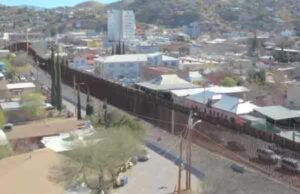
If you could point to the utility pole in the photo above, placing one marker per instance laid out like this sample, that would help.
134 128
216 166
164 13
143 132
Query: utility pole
52 72
78 103
187 138
180 168
189 151
58 82
74 89
89 107
105 112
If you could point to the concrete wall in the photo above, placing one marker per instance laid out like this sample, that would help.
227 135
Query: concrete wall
293 95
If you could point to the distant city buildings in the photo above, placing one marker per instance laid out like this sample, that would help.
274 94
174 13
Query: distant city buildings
120 25
23 36
193 30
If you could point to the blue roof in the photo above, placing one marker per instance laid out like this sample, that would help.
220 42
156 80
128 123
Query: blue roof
204 96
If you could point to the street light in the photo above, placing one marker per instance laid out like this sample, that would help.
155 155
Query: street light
191 125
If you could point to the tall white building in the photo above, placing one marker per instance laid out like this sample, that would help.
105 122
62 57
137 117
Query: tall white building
120 25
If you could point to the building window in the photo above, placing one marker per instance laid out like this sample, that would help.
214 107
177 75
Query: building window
122 65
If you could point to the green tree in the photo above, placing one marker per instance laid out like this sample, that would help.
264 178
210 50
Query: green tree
98 162
228 82
89 107
17 64
257 76
2 119
280 56
32 104
22 61
198 82
5 151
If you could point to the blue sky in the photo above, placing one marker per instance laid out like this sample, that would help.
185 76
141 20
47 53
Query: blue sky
48 3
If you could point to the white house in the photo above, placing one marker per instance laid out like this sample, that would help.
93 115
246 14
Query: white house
129 66
236 91
165 83
219 105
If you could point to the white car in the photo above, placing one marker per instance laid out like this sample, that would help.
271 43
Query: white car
290 164
268 155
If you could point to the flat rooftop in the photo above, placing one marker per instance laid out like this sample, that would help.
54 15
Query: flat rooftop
45 127
24 85
278 112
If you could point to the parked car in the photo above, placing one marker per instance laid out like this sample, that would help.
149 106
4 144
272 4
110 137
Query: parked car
268 155
7 127
290 164
143 156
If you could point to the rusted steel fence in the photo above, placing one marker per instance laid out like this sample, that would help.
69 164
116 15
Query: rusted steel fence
155 110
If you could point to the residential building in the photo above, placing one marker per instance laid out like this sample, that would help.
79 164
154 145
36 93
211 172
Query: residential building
149 73
279 116
117 67
235 91
162 85
291 54
23 36
120 25
146 48
16 90
219 105
14 112
81 60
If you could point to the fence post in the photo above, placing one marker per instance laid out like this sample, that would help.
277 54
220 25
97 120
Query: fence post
173 119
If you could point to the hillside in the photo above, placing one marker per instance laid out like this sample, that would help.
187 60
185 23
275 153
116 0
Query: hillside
225 13
89 4
163 12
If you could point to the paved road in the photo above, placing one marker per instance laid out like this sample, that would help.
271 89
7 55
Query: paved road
147 178
213 170
218 177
